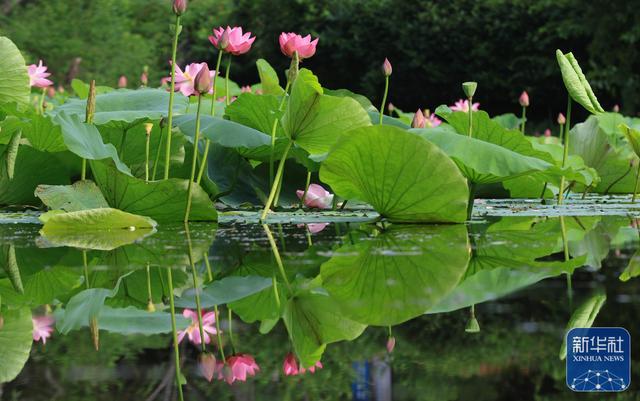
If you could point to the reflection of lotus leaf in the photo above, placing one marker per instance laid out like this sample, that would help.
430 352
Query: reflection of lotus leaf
397 275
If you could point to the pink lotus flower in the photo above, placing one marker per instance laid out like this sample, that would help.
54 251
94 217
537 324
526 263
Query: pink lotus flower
246 89
42 328
144 78
185 80
433 121
237 367
193 331
38 75
232 40
547 132
418 120
292 42
207 365
122 82
290 366
179 6
463 105
316 197
524 99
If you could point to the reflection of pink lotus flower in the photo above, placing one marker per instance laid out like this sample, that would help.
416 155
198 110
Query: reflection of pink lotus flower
391 344
207 365
292 42
185 80
42 328
38 75
290 366
463 105
193 331
316 196
314 228
237 367
232 40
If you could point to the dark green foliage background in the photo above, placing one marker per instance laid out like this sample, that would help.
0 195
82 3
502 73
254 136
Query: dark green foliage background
505 45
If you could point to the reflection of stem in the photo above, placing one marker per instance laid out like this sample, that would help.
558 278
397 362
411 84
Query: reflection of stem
384 97
194 275
565 154
219 333
586 191
231 339
208 265
308 233
472 195
176 349
276 255
635 188
565 245
196 140
167 155
274 187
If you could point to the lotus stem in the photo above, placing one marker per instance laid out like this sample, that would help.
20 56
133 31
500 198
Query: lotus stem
565 245
586 191
205 154
524 119
41 102
472 196
276 255
273 133
208 266
91 109
274 186
167 156
227 100
308 234
344 204
635 188
561 133
194 276
196 139
384 98
306 188
146 157
123 141
149 293
565 156
174 331
544 190
277 198
218 333
157 158
470 111
231 339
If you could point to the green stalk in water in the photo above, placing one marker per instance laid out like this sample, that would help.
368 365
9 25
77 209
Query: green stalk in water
172 88
276 182
469 89
565 155
273 133
386 71
194 276
174 331
202 86
524 102
276 255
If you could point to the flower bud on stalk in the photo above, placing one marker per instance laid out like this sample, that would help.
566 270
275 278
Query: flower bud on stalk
391 344
524 99
144 78
418 120
386 68
203 80
148 127
561 119
469 89
179 7
207 365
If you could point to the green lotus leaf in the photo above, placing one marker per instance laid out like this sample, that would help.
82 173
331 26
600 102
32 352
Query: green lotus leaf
223 132
314 121
131 320
270 83
163 201
633 268
81 195
16 338
404 177
583 317
125 108
81 89
102 229
576 83
633 137
228 289
14 79
397 275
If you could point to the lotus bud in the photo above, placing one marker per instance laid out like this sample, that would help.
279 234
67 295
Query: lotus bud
179 7
203 80
144 78
91 102
524 99
561 119
469 88
386 68
51 92
547 132
391 344
148 127
391 107
616 108
150 306
207 365
223 42
122 82
418 120
163 122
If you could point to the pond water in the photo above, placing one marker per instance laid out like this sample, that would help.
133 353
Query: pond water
342 287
